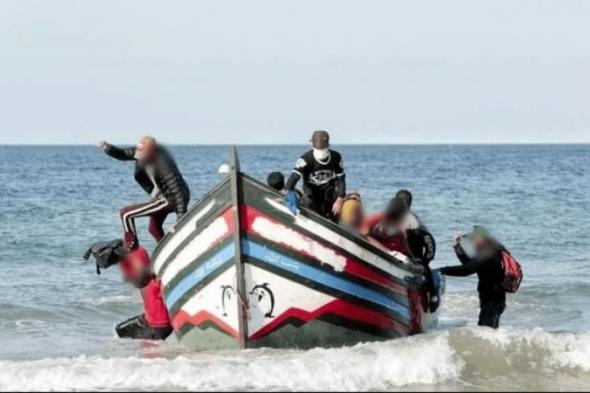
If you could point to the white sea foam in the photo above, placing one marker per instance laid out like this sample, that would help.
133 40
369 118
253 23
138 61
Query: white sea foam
449 358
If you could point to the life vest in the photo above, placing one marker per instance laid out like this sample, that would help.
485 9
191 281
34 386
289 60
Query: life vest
136 267
155 311
352 211
512 272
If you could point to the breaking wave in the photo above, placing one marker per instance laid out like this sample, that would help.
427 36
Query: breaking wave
465 358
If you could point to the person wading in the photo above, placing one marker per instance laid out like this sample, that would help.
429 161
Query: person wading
157 173
322 171
497 271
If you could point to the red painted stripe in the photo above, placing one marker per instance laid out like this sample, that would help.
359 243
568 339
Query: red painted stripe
182 318
352 266
340 308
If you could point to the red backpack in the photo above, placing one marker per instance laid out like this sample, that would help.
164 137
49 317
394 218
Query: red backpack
512 272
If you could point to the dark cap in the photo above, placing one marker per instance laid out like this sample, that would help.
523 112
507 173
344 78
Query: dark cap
320 139
406 196
396 209
276 181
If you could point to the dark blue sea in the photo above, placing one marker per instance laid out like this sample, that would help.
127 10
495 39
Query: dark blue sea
57 316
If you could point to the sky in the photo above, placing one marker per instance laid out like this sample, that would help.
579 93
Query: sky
218 72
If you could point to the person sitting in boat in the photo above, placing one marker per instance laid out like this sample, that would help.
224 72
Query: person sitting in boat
276 181
352 212
157 173
323 177
387 228
489 265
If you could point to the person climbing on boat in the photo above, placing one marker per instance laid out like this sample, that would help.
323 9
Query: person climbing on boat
159 176
322 171
422 246
276 181
387 229
495 269
352 212
420 241
154 322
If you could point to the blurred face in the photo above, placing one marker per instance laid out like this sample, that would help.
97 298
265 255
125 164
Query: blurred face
479 243
145 149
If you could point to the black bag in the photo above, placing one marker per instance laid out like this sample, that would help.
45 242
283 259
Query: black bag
422 244
106 253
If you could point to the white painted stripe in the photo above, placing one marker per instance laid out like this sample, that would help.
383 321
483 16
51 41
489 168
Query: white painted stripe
197 247
281 234
179 236
342 242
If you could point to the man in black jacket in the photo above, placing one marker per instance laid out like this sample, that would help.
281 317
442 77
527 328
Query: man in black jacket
322 171
157 173
487 263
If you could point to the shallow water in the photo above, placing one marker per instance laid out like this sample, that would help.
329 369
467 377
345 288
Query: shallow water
57 315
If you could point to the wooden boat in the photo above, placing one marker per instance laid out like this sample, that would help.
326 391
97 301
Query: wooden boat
239 270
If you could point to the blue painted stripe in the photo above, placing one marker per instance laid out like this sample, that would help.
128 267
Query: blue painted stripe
291 265
203 270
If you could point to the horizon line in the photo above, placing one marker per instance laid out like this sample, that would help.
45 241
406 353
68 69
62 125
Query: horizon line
337 144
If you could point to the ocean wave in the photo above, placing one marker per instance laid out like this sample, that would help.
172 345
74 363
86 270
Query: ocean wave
462 358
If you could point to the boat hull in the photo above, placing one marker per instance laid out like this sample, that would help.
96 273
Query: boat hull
240 271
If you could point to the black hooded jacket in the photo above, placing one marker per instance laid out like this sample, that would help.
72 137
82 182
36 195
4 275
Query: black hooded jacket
166 175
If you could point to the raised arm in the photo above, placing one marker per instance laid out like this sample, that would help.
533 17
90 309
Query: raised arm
462 255
121 154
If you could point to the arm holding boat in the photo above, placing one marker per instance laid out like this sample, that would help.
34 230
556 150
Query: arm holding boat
464 270
301 166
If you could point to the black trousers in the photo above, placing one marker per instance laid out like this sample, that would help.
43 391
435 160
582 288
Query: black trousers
321 201
490 312
138 328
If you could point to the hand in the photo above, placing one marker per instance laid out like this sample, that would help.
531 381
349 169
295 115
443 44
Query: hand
103 145
283 192
457 238
337 207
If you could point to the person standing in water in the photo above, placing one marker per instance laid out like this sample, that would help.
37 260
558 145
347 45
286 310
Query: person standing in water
158 175
487 264
322 171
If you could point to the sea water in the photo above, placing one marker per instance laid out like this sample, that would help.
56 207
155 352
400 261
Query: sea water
57 316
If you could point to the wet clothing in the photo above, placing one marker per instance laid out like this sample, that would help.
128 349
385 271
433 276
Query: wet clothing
161 174
488 267
154 323
323 181
155 311
138 328
490 313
